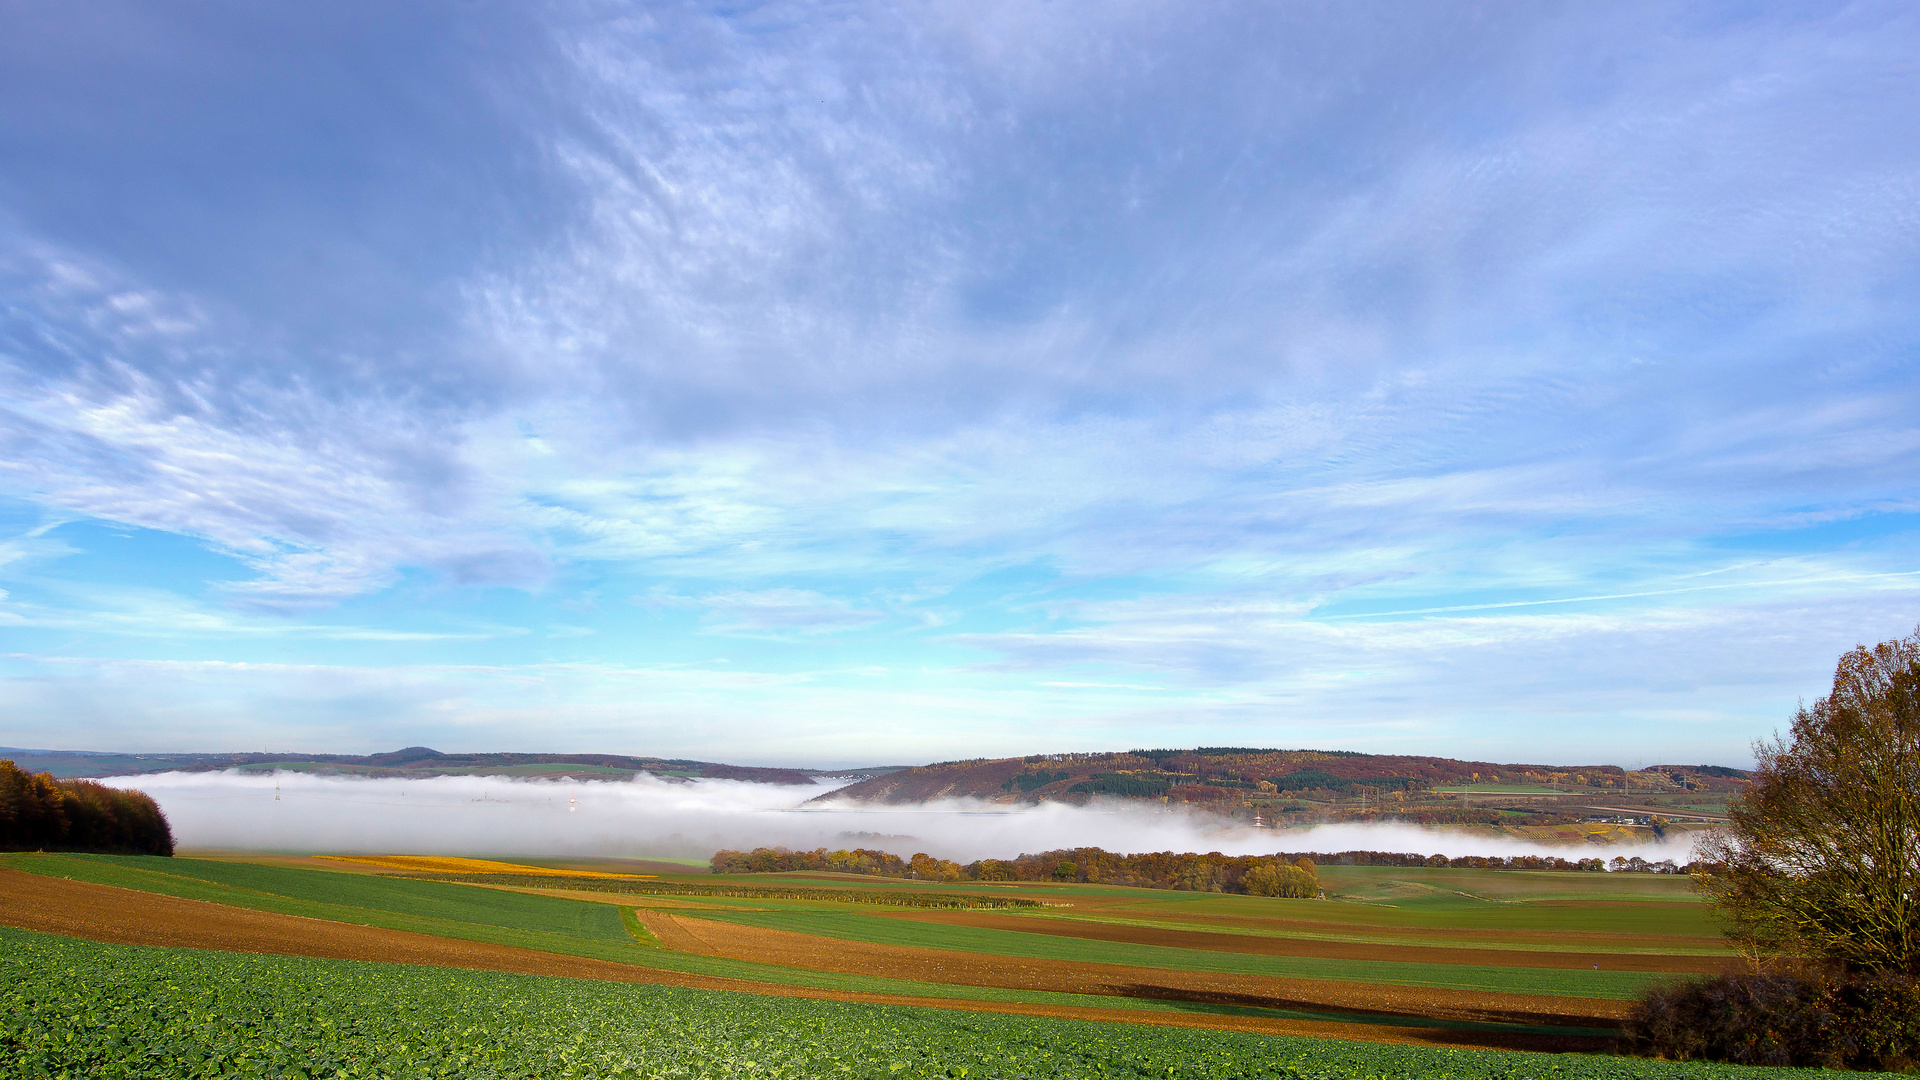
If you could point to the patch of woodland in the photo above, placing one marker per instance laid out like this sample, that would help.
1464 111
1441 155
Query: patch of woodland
1257 875
40 813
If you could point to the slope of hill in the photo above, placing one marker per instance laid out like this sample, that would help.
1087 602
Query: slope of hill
1277 782
414 761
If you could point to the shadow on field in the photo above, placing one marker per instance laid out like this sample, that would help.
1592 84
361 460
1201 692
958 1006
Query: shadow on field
1503 1029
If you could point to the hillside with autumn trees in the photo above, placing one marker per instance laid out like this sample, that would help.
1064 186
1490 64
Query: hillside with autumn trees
1212 773
1279 784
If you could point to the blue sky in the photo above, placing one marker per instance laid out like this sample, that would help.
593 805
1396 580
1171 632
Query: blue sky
847 383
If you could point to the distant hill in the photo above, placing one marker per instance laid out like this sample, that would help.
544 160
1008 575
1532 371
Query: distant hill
1237 774
1269 782
413 761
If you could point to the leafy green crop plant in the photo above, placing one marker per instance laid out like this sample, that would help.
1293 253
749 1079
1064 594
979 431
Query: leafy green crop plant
71 1009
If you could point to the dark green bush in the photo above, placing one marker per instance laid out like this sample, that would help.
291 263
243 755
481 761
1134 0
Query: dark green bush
1806 1018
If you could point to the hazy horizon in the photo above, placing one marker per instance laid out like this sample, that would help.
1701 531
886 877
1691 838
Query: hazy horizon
850 765
650 817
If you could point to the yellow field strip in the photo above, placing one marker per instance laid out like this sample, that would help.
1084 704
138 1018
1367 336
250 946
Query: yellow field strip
437 864
625 900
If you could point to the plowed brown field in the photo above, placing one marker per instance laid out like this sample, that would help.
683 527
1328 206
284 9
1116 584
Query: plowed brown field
1547 939
1330 950
1421 934
124 916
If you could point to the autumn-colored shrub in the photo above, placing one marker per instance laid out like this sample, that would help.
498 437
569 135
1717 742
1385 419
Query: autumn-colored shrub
39 813
1281 879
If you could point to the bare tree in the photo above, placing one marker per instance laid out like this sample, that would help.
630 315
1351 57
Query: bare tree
1821 858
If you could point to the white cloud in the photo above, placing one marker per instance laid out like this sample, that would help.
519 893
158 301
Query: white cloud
1159 332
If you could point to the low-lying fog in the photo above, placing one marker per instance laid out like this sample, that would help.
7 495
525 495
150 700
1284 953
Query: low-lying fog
650 817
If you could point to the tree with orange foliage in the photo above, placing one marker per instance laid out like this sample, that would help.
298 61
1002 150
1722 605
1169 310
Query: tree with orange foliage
1821 858
38 812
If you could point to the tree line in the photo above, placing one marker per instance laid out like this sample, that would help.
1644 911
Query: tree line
1190 871
40 813
1258 875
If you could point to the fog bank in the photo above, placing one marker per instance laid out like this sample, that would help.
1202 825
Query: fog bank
652 817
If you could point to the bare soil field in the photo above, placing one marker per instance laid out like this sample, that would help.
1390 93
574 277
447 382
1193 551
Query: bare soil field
125 916
1331 950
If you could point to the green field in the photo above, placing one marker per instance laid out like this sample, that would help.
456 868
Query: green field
516 919
396 904
79 1009
1532 886
855 926
1542 1005
1532 907
1380 904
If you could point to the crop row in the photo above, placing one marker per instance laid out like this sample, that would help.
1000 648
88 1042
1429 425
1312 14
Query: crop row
894 898
72 1008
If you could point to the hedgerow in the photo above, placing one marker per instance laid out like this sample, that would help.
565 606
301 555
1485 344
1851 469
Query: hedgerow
1209 872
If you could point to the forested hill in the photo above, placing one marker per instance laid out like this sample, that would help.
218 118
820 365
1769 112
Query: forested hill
1234 774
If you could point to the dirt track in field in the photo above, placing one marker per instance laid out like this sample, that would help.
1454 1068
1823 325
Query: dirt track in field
128 917
712 938
1327 950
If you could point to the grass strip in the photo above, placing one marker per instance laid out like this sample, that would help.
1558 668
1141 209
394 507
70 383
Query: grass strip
901 898
640 933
